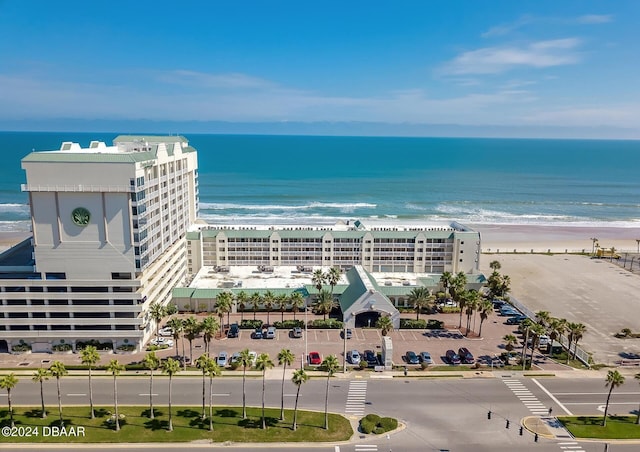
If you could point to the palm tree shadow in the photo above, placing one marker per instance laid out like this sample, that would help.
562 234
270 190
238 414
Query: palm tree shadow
224 412
257 423
157 424
188 413
35 413
101 412
156 413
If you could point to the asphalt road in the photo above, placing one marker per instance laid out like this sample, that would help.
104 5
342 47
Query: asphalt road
440 414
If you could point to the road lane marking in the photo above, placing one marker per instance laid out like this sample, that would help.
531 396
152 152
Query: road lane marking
76 395
569 413
147 395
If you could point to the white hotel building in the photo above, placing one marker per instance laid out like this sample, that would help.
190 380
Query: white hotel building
109 226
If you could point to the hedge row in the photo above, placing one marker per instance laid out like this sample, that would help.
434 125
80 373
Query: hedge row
249 324
326 324
288 324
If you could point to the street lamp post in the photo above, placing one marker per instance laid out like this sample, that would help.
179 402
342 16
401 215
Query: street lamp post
638 243
344 345
306 308
594 240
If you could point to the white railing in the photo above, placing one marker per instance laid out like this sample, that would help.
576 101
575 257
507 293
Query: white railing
77 188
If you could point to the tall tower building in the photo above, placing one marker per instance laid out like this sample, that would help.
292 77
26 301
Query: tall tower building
109 226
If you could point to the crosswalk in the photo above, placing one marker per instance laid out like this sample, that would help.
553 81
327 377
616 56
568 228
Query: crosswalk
571 446
366 448
526 397
356 398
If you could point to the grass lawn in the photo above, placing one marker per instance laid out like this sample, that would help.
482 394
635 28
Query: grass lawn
136 427
618 427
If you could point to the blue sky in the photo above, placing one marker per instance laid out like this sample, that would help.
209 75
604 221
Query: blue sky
507 63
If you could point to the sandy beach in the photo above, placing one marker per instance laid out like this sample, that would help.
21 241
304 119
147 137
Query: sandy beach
558 239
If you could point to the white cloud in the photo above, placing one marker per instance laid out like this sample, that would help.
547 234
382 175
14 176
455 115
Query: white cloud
203 79
495 60
504 29
595 19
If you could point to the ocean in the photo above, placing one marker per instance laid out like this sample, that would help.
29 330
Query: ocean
271 179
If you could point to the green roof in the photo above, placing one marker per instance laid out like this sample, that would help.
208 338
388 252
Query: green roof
337 289
396 291
246 233
182 292
193 235
313 234
189 292
355 290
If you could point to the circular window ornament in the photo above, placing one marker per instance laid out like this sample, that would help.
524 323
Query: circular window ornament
80 216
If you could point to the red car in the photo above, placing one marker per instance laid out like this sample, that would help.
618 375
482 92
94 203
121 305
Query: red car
315 358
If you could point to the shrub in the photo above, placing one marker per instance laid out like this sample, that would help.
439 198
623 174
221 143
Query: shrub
61 347
372 423
249 324
449 309
435 324
126 347
97 344
363 364
153 348
424 366
21 348
288 324
413 324
326 324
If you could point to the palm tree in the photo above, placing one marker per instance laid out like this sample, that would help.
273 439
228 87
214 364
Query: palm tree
191 331
241 299
325 303
297 301
510 342
543 318
263 363
209 327
58 370
318 279
446 279
157 312
282 301
170 367
114 367
244 360
39 377
461 299
576 331
472 302
526 325
285 358
202 363
332 277
486 308
458 285
256 300
268 299
537 330
224 305
212 370
299 377
151 362
177 327
495 266
330 365
557 327
9 382
614 379
385 324
89 356
420 297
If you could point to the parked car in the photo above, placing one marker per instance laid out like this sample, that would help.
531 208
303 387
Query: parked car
257 334
296 332
253 356
235 358
452 357
544 340
497 303
161 341
508 310
271 333
425 357
166 331
465 355
516 319
371 358
349 333
411 357
315 358
353 357
234 331
222 359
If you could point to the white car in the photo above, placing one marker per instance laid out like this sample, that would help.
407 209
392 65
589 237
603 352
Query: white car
166 331
222 359
162 341
253 356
